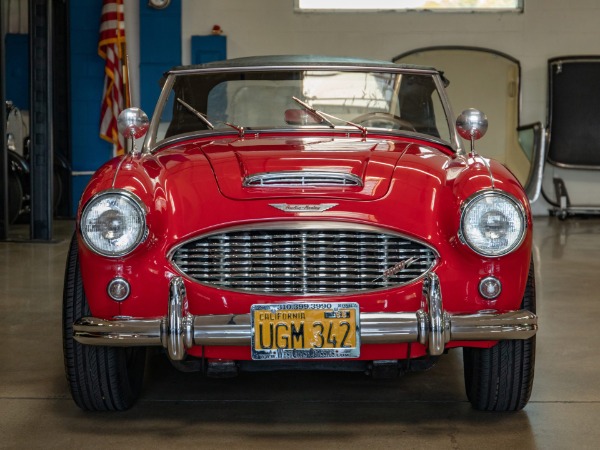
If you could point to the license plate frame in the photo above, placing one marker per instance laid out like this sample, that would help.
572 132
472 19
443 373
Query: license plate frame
333 314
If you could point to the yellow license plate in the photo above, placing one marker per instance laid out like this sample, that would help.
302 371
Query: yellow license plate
305 330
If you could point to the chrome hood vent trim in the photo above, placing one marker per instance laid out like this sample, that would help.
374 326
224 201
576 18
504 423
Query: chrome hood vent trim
301 178
304 258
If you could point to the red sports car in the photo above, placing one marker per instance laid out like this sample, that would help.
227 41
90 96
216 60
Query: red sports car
301 212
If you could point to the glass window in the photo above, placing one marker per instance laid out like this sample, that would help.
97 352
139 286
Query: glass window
405 5
266 100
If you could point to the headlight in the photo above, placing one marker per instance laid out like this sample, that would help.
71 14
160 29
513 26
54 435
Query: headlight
113 223
493 223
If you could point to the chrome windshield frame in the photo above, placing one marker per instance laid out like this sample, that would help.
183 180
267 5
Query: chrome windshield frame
150 143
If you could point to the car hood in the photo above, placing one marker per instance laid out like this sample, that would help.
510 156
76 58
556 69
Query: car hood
359 169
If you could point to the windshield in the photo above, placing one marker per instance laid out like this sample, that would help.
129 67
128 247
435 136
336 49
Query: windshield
301 98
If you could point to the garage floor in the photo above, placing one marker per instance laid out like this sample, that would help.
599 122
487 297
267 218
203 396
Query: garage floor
315 410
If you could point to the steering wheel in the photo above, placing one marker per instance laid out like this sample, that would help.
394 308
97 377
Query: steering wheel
376 119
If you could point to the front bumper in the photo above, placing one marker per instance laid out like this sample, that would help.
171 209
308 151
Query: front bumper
432 326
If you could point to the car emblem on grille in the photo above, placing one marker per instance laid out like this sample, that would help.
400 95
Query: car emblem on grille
397 268
303 208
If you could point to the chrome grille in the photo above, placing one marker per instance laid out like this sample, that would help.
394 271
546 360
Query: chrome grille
302 179
310 259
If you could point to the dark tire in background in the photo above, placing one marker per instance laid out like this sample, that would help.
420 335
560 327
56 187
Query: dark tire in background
15 197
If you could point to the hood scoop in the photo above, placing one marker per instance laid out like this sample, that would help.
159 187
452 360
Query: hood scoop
304 167
302 179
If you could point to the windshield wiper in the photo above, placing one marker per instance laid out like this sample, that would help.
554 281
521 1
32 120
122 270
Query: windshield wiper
324 116
315 112
197 113
204 119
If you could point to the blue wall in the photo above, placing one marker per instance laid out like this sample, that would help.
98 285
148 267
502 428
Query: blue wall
160 49
208 48
88 151
17 70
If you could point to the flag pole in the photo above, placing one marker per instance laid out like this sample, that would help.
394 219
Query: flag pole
124 57
127 82
130 143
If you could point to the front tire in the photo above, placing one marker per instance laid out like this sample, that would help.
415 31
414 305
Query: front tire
500 378
100 378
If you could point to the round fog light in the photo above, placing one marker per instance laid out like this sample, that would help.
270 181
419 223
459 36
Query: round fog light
118 289
490 288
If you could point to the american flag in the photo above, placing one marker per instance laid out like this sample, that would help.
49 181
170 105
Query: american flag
111 48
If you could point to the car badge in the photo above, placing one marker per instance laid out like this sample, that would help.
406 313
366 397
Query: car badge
405 263
285 207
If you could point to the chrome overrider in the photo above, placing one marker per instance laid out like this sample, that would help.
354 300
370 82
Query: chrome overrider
432 326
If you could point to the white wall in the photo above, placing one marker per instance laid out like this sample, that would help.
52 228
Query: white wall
15 16
546 29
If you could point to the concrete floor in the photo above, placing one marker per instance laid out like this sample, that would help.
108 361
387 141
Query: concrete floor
316 410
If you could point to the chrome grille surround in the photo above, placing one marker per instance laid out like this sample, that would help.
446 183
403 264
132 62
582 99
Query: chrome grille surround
303 258
301 178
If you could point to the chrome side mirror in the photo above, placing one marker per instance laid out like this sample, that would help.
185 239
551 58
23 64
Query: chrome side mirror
472 125
133 123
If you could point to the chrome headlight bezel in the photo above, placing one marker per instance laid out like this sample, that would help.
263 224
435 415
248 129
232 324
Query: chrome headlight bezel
138 208
521 228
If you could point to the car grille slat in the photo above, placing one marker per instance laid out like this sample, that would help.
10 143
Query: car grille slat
304 261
